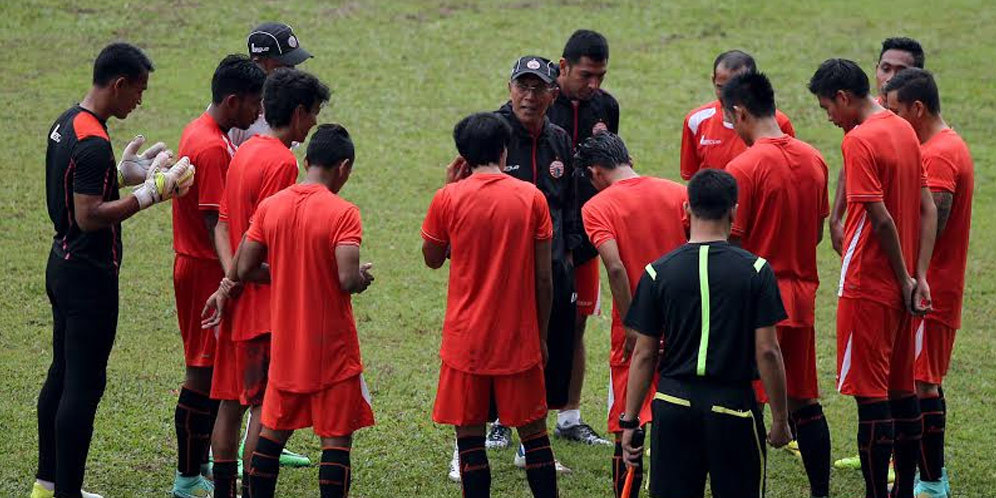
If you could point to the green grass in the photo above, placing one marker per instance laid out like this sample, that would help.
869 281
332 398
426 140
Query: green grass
402 73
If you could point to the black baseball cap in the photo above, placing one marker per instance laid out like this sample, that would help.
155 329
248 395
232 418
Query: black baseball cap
534 64
276 40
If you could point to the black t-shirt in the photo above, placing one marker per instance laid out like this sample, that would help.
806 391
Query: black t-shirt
707 300
79 160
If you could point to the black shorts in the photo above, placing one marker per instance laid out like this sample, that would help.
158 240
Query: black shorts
560 337
702 428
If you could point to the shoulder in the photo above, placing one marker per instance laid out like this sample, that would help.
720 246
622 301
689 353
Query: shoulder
556 132
607 99
86 125
697 116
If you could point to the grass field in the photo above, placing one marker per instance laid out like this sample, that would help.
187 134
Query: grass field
402 73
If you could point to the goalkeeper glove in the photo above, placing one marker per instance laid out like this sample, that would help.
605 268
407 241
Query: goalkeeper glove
134 167
165 181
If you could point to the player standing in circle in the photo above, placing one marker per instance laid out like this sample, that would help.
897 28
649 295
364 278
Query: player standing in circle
311 238
888 240
81 278
628 237
707 140
486 223
912 94
582 109
782 185
715 306
262 167
200 262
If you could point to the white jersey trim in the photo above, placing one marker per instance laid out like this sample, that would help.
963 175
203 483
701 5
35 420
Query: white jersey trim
849 255
695 120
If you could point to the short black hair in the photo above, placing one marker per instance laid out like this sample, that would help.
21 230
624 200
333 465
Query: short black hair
286 89
481 138
752 91
734 60
712 193
912 84
839 74
605 149
120 59
236 74
586 43
906 45
330 145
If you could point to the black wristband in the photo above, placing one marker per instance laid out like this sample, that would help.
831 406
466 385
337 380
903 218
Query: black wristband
628 424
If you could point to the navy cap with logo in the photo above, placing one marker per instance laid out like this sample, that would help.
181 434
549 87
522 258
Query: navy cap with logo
276 40
536 65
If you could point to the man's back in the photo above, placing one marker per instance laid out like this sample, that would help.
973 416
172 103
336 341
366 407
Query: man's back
491 223
783 201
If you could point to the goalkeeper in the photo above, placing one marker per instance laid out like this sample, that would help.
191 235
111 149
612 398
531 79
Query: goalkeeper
82 275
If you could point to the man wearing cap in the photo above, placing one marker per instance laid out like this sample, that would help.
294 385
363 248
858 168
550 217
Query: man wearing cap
272 45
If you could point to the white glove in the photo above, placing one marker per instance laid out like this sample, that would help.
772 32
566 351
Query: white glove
134 167
165 181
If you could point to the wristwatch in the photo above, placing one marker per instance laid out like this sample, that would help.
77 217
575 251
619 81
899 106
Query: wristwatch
628 424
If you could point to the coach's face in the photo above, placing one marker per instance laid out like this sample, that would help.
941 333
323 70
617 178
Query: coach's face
892 62
530 97
581 80
128 94
721 75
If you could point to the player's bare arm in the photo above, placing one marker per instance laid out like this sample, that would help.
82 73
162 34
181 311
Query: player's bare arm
769 364
434 254
943 202
94 213
220 242
354 277
228 288
251 263
641 373
928 235
885 229
619 285
837 215
544 289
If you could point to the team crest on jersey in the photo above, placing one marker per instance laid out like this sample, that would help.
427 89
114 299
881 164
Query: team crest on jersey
599 128
557 169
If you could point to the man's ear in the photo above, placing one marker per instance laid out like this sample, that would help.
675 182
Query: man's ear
345 166
555 93
563 65
733 213
919 109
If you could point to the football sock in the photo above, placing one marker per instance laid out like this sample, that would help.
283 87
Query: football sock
813 434
335 474
213 405
932 444
224 478
193 422
908 430
568 418
475 472
618 469
875 438
264 469
541 470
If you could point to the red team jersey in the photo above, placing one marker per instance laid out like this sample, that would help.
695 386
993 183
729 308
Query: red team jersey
210 150
783 201
949 169
313 342
707 141
491 223
620 213
881 164
261 167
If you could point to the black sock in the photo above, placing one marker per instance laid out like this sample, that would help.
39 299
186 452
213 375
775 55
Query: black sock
908 430
932 444
264 469
192 419
875 438
618 469
335 474
213 405
224 478
475 472
541 470
813 435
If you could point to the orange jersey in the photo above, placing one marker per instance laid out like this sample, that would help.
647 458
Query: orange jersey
620 213
881 164
261 167
210 151
783 200
314 343
491 223
707 141
949 169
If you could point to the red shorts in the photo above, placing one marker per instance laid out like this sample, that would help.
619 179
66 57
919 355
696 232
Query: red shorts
798 345
875 350
336 411
618 381
226 380
463 399
194 280
588 286
252 360
934 344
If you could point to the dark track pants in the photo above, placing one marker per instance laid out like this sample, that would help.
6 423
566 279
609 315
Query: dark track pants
560 336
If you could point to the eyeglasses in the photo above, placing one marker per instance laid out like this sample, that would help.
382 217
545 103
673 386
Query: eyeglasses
540 89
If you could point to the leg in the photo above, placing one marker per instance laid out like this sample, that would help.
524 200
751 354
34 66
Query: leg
905 408
194 420
225 444
736 450
335 473
51 392
266 462
808 422
570 414
560 337
475 471
541 470
934 358
875 440
255 354
680 469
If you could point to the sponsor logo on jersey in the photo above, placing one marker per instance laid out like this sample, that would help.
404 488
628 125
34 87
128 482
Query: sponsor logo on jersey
511 167
257 49
56 136
708 141
557 169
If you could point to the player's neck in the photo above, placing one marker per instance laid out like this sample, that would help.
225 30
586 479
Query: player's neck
703 231
867 108
620 173
98 102
321 176
930 128
487 169
219 117
283 134
764 128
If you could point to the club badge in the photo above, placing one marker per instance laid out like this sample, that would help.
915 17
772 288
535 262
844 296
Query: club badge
557 169
533 64
292 42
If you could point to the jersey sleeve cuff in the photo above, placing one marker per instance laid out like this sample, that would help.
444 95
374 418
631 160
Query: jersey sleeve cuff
433 238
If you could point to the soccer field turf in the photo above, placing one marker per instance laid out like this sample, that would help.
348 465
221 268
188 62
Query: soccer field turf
402 73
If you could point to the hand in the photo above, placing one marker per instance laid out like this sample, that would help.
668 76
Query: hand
780 434
909 289
921 302
837 236
633 456
366 277
628 346
457 170
134 167
231 287
213 309
165 181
